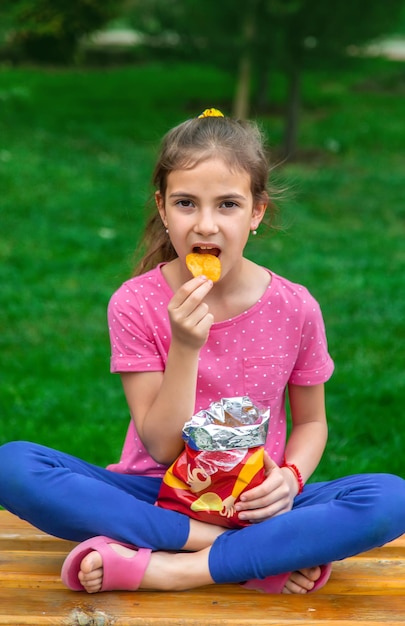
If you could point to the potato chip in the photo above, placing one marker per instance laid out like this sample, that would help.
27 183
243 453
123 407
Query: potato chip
206 264
208 502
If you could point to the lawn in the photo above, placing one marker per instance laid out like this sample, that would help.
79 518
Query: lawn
76 152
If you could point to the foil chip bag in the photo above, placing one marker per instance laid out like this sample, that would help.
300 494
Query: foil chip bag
222 458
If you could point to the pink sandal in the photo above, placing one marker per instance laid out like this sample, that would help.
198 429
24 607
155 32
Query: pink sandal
120 573
276 584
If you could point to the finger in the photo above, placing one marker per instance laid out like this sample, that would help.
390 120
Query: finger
268 463
255 516
201 320
276 502
267 504
197 287
194 329
192 310
268 487
252 495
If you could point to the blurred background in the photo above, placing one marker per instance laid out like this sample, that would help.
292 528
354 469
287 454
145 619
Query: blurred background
87 89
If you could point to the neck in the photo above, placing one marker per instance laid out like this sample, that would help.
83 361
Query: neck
239 290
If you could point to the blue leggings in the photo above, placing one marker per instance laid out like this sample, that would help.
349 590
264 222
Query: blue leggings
69 498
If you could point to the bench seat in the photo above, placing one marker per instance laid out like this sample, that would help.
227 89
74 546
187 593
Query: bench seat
367 589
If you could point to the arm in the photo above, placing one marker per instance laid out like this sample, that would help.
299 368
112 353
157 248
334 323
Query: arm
161 402
309 433
304 448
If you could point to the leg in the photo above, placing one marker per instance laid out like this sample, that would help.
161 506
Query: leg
101 565
329 522
69 498
72 499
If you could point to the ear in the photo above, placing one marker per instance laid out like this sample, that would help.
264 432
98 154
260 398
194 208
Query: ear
160 203
259 209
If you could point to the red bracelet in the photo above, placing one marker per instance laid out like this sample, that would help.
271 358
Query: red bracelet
296 473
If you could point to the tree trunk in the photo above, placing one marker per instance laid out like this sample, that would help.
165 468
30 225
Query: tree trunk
290 143
262 101
241 104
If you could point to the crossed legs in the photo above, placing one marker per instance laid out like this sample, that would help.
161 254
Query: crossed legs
72 499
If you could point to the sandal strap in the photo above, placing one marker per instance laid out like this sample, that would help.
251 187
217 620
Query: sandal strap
122 573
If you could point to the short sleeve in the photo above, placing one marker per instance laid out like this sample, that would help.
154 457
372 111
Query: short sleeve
132 337
314 364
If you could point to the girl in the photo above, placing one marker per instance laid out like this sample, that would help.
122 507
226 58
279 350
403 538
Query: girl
180 343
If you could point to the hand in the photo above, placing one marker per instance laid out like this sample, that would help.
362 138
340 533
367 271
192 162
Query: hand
190 318
274 496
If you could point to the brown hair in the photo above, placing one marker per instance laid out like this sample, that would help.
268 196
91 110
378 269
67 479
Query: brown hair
239 143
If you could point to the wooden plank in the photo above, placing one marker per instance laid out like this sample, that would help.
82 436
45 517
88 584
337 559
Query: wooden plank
220 607
13 529
369 588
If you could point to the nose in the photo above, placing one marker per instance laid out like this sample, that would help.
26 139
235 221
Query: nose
206 223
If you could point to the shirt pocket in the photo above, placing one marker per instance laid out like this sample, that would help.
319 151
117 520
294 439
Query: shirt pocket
265 378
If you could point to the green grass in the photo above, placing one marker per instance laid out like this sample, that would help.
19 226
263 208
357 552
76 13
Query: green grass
76 152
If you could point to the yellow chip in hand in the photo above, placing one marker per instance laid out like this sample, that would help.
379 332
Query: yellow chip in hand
206 264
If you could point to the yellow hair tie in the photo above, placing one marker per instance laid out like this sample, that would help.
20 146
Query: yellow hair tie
211 113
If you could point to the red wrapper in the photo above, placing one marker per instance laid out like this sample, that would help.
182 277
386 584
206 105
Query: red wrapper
205 484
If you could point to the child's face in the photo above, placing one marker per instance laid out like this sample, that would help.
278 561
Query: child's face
210 209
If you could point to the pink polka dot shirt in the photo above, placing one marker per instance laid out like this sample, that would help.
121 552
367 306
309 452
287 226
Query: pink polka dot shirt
279 340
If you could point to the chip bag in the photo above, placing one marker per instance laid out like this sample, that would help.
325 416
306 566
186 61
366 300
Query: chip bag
223 457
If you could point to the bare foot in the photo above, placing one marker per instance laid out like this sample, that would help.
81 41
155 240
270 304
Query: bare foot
177 572
172 567
303 580
165 571
91 572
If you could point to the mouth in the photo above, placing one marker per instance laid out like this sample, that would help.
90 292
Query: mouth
206 249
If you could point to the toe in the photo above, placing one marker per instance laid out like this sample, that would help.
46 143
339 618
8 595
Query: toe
302 581
91 562
311 573
91 572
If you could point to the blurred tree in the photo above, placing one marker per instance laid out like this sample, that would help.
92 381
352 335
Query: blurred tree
308 34
252 39
198 30
49 30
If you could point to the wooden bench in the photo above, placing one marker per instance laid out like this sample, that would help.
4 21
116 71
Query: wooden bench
368 589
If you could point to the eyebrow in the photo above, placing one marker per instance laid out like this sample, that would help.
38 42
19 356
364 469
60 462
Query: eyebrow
225 196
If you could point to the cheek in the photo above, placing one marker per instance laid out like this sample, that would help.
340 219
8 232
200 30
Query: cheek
178 225
178 233
238 237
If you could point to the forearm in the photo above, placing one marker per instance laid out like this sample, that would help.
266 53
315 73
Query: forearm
305 447
309 432
173 405
161 402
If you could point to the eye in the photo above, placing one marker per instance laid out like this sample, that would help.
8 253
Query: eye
228 204
185 204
